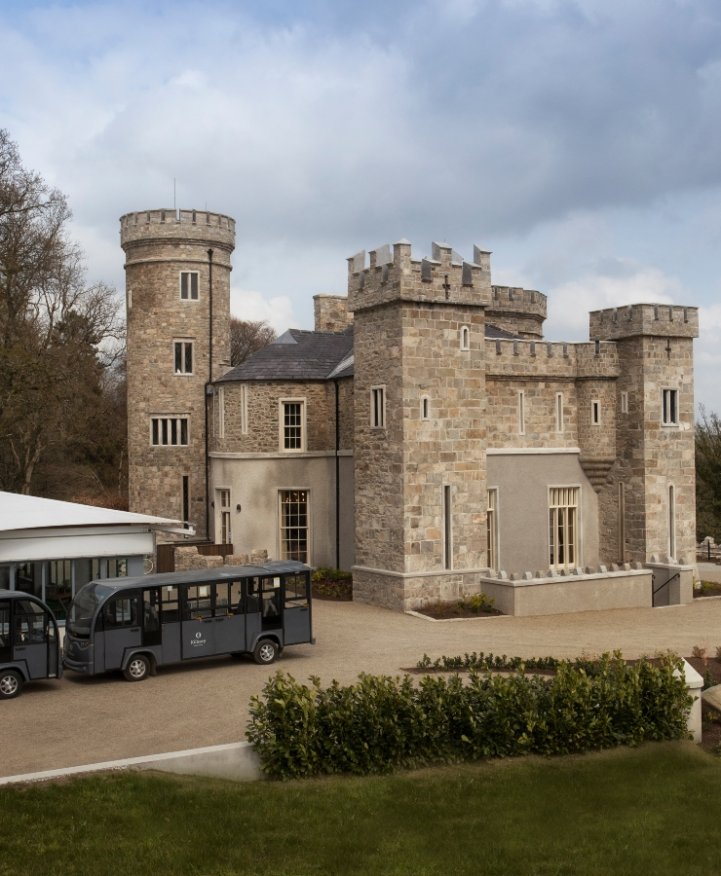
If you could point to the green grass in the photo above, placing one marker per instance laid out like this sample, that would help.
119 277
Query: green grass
650 810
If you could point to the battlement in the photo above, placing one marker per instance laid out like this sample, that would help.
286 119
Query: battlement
665 320
519 311
552 359
392 274
200 225
514 299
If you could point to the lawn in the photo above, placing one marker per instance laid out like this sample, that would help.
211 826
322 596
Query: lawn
649 810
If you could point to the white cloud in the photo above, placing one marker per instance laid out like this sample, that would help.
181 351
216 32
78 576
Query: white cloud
570 302
254 306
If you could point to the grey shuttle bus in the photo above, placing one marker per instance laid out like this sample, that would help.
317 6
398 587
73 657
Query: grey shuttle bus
29 642
138 624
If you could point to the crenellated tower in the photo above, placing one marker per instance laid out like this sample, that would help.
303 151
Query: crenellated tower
177 266
651 486
420 482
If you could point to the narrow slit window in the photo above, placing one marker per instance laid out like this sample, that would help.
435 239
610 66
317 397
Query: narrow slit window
596 412
521 412
559 412
378 407
447 529
670 407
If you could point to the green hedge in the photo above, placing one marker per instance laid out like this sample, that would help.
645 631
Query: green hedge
380 723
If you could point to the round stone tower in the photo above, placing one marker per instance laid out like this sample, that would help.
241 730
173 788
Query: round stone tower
177 279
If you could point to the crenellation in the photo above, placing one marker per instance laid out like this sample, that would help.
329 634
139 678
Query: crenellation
665 320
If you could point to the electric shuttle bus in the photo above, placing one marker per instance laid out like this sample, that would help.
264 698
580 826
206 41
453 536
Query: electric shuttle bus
138 624
29 642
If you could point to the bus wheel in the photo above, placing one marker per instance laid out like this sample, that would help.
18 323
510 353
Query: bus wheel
11 683
138 668
265 651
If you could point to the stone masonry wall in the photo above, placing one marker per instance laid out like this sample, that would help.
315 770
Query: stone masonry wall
331 313
159 245
264 412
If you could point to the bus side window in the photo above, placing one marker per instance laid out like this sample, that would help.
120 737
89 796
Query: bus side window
29 622
222 605
151 613
171 612
4 624
253 585
121 611
296 590
236 597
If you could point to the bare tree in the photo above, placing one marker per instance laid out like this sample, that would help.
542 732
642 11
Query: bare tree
246 337
57 335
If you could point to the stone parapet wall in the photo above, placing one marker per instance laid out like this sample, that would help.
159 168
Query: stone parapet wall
661 320
545 593
393 275
517 310
541 359
171 224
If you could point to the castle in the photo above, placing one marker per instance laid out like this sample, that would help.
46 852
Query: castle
424 434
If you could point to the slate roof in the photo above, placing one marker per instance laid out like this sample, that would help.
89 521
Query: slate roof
297 355
306 355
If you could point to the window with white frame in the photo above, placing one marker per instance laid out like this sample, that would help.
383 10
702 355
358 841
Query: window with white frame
425 407
559 412
294 525
183 357
378 407
292 424
492 528
669 402
189 285
563 527
624 402
465 338
596 412
521 412
169 431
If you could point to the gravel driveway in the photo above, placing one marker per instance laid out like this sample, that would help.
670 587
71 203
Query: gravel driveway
82 720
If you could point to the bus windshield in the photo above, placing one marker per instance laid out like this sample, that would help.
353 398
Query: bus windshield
84 606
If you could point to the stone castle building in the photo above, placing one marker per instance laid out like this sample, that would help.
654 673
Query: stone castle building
424 434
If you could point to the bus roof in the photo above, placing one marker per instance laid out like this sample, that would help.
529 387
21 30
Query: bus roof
18 594
201 576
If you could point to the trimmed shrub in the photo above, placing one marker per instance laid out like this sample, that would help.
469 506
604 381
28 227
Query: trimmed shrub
380 723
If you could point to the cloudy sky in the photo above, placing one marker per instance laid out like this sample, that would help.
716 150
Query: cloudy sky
580 140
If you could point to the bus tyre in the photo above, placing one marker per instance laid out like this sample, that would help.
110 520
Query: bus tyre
138 668
265 651
11 683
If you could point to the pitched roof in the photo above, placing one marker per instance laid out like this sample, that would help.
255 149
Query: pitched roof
308 355
18 511
297 355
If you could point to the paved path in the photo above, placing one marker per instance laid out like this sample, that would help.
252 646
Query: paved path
87 720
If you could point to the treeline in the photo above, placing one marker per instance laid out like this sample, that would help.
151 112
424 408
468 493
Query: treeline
62 382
